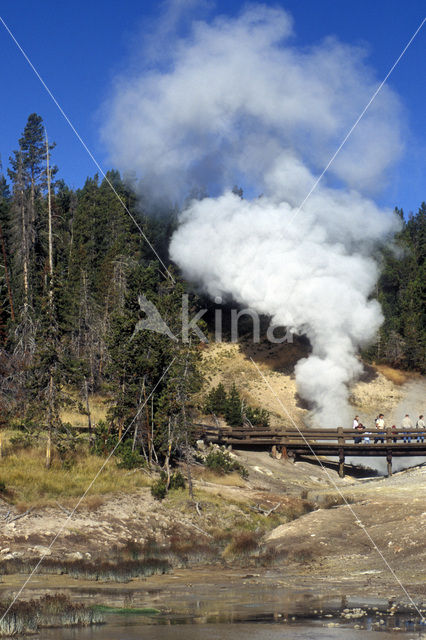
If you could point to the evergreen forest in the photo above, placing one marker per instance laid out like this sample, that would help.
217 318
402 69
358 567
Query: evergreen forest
73 265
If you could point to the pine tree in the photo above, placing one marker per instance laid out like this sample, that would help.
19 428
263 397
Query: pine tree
234 415
217 400
30 226
401 291
6 310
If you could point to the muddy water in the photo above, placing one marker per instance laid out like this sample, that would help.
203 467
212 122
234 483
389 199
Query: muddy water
131 628
218 604
300 616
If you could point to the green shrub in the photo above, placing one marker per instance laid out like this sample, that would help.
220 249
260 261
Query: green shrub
221 462
128 459
104 439
216 400
177 481
234 408
65 443
22 441
257 417
230 406
159 489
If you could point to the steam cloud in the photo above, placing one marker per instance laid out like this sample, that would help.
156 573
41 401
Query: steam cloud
237 102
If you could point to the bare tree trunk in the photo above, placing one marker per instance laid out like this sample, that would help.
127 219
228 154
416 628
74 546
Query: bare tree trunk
121 419
102 343
154 452
148 427
6 271
25 256
145 455
188 468
135 433
135 436
48 451
185 428
89 417
71 245
49 424
169 450
32 203
49 223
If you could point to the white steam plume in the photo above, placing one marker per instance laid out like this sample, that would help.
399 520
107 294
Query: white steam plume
237 103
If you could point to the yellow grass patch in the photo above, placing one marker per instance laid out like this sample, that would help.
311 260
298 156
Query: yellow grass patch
29 483
229 363
397 376
98 410
229 479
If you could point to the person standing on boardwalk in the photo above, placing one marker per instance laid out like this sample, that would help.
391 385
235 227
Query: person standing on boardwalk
420 426
358 427
380 426
406 424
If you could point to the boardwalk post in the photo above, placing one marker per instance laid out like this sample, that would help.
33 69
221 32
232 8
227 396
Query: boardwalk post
284 452
341 462
341 441
389 461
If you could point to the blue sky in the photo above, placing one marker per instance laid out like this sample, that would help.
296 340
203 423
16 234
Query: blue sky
78 47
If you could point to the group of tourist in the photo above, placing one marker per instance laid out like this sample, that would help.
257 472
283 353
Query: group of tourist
380 430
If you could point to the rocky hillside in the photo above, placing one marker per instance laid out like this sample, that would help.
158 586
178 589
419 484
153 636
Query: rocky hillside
381 389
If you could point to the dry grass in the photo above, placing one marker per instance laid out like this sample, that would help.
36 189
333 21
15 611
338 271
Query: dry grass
278 357
229 363
222 516
394 375
242 543
98 409
93 502
27 617
28 483
228 480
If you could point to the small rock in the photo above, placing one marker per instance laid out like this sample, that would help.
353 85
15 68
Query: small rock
42 550
13 555
76 555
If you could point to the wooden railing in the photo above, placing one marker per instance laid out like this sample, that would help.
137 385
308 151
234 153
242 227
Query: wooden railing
322 442
311 436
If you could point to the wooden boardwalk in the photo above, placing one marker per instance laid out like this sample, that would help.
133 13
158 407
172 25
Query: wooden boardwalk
340 443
